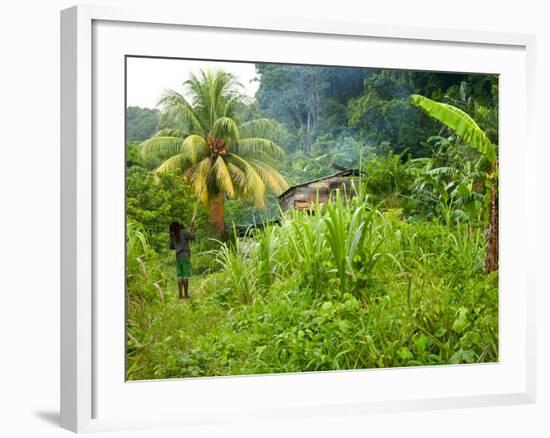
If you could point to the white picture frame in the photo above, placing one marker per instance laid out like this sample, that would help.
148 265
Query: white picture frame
85 178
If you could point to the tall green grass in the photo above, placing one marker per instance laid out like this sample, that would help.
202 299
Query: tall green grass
350 286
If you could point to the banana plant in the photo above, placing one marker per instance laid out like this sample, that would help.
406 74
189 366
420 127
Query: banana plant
449 190
469 131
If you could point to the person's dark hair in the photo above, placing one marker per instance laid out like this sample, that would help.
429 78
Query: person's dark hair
175 231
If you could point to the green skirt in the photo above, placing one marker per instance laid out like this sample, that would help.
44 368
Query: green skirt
183 268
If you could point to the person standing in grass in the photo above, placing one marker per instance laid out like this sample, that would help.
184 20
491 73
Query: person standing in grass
179 241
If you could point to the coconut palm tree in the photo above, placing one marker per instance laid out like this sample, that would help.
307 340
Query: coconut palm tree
469 131
216 154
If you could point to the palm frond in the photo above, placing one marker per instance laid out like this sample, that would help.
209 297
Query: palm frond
238 177
253 186
212 91
176 107
227 109
195 148
255 146
271 178
226 128
224 84
197 88
179 163
199 179
171 132
223 177
166 145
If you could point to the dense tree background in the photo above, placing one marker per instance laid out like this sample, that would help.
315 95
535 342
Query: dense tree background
327 104
351 117
141 123
310 100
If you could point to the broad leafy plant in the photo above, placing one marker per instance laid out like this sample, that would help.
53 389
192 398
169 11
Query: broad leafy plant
470 132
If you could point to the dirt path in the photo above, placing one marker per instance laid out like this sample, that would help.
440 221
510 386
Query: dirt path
196 285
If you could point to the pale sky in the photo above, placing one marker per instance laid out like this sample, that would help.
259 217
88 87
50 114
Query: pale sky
148 77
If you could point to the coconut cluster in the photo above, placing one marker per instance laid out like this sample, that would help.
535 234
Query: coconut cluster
217 146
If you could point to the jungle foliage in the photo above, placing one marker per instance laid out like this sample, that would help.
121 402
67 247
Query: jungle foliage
395 275
141 123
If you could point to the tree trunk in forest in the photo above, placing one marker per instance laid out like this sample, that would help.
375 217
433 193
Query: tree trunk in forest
303 133
216 213
491 257
307 130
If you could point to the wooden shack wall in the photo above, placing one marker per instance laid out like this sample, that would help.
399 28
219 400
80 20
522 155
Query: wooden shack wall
302 196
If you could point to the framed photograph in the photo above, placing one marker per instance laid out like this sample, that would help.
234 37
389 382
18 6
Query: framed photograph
284 219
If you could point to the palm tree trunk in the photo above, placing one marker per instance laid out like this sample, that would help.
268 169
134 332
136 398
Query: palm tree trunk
216 213
491 257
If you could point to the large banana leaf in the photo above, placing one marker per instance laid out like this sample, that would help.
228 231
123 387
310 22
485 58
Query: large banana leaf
460 122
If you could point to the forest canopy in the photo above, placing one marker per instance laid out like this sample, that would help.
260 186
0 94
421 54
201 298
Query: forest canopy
141 123
368 105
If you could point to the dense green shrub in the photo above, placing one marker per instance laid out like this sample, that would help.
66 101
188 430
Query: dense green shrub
155 200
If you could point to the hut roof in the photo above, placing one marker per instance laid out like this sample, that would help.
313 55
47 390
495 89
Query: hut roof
344 172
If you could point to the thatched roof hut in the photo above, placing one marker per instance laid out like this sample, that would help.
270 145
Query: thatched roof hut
302 196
